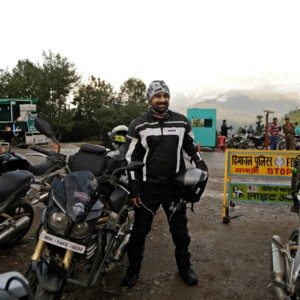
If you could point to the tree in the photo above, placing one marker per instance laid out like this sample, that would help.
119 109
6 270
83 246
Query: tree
4 80
259 126
94 103
22 82
132 96
58 79
133 91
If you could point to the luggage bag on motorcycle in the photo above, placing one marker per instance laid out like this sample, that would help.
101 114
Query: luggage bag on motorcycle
90 158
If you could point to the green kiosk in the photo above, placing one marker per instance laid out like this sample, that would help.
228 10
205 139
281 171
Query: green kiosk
203 121
17 122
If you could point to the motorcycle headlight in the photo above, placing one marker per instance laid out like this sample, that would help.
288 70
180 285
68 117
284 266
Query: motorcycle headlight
59 223
80 230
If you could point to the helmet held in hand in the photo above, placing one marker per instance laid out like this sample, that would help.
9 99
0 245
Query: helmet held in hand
191 183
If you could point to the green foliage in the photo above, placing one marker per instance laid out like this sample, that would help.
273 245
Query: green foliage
259 126
96 107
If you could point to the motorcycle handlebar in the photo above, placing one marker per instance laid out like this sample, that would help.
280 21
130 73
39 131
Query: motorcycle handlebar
43 151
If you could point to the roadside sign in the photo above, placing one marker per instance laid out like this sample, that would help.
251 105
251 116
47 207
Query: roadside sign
251 191
247 175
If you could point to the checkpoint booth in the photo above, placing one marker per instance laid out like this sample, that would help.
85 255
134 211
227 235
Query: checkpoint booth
257 176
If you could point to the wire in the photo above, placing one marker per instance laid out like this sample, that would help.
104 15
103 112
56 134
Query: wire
148 209
176 208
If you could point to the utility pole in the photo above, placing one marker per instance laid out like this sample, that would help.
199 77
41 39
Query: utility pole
267 112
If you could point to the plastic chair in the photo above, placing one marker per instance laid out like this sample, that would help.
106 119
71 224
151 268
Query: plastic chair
222 143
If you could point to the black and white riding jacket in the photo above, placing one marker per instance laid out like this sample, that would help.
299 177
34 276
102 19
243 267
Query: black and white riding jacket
160 145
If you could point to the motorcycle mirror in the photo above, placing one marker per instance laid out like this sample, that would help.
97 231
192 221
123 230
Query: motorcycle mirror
44 127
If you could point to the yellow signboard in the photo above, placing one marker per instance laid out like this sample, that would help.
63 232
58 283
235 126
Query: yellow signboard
261 163
248 163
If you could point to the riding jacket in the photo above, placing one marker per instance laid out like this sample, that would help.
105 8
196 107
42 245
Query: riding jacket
160 144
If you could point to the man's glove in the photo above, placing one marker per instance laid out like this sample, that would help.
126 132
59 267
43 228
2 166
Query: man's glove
200 164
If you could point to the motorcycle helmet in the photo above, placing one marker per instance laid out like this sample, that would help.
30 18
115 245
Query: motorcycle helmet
191 183
118 136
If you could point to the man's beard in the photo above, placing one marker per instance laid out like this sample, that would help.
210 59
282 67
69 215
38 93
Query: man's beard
160 109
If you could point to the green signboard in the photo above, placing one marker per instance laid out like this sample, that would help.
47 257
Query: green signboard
251 191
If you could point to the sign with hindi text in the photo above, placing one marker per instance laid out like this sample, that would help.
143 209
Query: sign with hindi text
261 163
251 191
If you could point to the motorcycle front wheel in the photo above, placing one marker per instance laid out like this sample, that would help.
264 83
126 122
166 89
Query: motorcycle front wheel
259 146
295 239
42 294
17 211
282 145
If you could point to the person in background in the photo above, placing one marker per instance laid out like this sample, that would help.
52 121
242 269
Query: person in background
274 133
158 138
288 130
297 130
224 128
250 130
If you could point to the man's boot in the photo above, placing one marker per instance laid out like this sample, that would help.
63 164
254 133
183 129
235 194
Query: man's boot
131 275
184 267
135 258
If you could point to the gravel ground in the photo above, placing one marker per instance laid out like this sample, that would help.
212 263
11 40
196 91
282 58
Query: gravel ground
233 261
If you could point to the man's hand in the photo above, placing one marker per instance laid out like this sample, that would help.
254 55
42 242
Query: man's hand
136 201
200 164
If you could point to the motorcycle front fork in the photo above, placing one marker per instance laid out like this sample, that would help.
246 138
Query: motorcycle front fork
39 249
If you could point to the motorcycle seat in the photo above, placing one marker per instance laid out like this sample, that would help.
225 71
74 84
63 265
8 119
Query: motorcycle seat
39 169
13 182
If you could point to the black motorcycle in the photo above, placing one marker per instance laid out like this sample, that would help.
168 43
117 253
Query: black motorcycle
85 229
86 224
16 213
44 172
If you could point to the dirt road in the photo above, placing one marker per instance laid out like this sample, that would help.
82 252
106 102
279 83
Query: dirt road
232 261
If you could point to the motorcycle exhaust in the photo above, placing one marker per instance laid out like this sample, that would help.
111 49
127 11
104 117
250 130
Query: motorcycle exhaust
14 229
278 266
121 250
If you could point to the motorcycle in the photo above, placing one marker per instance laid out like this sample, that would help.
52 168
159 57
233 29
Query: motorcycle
16 213
22 185
43 172
257 140
233 140
245 141
85 226
286 257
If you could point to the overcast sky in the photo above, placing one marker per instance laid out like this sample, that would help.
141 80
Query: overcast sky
188 43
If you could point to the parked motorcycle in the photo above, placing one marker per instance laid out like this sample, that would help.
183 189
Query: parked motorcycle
258 141
16 213
245 141
233 140
86 225
286 257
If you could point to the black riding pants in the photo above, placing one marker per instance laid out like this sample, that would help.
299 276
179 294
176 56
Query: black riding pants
154 195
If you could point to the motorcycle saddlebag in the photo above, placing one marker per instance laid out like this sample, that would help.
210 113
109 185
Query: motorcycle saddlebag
90 158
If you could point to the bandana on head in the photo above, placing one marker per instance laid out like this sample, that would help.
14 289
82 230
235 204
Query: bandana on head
157 86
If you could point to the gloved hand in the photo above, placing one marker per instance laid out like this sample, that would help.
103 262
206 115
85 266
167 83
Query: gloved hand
200 164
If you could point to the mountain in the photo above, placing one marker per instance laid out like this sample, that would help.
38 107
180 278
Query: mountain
238 107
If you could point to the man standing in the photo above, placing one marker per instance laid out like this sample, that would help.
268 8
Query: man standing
158 138
274 133
288 130
224 128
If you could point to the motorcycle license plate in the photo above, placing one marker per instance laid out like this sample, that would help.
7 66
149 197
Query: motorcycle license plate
54 240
